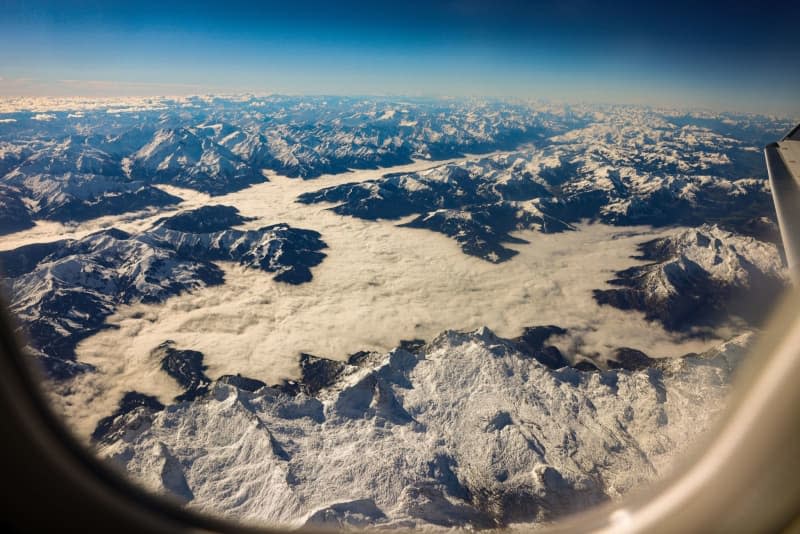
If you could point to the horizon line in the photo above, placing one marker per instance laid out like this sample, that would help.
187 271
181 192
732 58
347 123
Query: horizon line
688 108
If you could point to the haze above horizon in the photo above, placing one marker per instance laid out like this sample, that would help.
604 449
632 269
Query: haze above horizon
730 56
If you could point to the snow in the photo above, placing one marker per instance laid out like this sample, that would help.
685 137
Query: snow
729 257
467 433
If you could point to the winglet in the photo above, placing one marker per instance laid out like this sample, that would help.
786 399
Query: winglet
783 166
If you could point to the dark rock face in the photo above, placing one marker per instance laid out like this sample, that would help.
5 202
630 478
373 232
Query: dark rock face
242 382
14 214
631 360
204 220
532 343
429 502
60 369
318 373
62 292
586 366
115 424
411 345
354 514
186 367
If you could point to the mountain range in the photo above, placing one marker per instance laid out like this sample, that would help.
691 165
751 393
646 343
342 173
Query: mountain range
466 430
469 430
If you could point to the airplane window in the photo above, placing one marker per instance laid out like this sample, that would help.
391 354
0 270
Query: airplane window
419 267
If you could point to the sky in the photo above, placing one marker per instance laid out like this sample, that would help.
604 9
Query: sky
739 56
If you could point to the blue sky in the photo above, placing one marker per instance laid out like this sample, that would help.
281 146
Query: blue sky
731 55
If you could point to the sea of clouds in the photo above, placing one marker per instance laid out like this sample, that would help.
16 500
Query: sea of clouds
379 284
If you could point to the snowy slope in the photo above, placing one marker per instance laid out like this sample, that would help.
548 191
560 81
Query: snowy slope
625 165
700 275
182 157
465 431
72 180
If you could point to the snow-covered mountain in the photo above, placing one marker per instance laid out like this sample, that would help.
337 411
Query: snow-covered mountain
182 157
698 276
465 431
477 203
87 164
70 180
621 176
14 214
62 292
99 160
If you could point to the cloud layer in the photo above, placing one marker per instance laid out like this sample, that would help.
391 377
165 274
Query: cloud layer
379 284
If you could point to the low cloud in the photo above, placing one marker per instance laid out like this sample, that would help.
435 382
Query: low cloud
378 285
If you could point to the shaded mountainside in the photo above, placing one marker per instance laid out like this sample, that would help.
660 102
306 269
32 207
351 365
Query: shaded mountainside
14 214
698 277
469 430
62 292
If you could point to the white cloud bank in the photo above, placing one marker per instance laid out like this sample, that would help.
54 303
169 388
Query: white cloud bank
378 285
